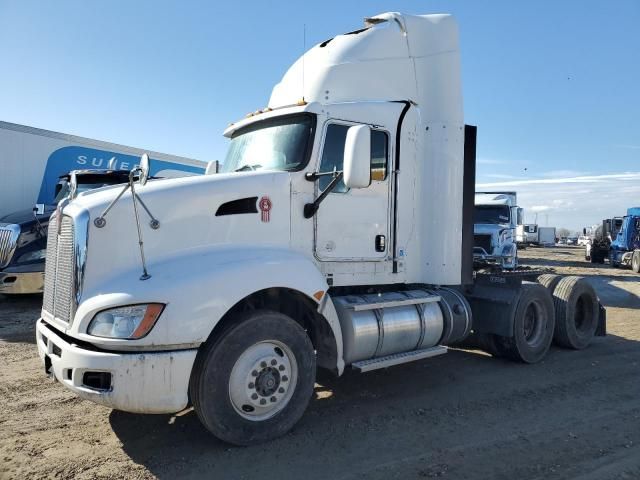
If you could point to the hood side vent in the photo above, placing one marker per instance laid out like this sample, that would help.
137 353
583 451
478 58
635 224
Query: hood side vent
238 207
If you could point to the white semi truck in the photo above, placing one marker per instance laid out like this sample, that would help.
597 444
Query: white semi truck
339 234
496 219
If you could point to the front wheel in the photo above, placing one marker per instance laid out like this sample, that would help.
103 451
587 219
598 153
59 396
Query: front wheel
254 383
635 261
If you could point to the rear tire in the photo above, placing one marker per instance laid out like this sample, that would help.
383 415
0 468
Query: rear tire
549 281
577 310
612 262
635 261
533 326
254 381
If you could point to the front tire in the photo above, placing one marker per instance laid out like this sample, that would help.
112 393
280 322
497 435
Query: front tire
254 382
635 261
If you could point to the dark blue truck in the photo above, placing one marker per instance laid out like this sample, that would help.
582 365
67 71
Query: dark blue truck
625 248
23 234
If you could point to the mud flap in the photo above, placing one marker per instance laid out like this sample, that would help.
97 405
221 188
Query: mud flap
601 330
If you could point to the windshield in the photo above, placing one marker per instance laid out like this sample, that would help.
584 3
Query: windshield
491 214
63 187
275 144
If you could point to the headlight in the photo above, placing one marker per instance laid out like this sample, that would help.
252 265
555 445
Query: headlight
31 256
131 322
507 250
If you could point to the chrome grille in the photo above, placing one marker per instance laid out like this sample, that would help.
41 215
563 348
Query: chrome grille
59 283
50 265
9 234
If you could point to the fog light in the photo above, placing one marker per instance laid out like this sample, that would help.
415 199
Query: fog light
97 380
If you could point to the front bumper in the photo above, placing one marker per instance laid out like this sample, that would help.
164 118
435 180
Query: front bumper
21 282
141 382
481 256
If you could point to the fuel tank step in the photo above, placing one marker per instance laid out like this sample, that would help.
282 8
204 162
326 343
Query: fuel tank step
396 303
398 358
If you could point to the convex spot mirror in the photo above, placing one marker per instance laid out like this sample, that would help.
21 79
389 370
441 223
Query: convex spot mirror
144 169
357 157
73 186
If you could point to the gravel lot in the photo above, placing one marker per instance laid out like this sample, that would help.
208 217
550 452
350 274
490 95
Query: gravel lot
461 415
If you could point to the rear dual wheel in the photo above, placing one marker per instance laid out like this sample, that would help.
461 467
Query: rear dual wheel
577 311
532 328
254 381
533 325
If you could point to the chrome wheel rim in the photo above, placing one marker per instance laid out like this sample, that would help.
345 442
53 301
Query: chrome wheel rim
263 380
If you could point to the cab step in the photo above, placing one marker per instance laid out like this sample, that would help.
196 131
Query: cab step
398 358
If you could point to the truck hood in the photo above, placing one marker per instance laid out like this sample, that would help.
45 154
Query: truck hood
196 214
488 228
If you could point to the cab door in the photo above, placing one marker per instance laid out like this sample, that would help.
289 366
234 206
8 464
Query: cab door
354 224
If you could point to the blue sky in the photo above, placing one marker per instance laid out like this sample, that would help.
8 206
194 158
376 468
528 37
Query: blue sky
554 87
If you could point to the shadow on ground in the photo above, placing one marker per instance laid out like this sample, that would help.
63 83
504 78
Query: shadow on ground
361 419
18 316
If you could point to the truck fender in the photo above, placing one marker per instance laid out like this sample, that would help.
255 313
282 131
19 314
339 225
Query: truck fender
200 286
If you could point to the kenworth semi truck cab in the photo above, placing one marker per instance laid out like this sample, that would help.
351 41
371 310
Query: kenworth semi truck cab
338 234
496 219
625 248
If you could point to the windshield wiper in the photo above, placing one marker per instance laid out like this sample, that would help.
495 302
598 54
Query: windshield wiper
248 167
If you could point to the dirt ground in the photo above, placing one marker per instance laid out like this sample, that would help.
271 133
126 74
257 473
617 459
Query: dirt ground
461 415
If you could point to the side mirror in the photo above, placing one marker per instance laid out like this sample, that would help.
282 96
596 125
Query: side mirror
584 231
519 216
357 157
38 209
212 167
144 169
73 186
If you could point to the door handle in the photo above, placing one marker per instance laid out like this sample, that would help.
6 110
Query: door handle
381 243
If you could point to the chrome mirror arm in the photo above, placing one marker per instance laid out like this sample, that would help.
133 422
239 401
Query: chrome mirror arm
101 221
145 275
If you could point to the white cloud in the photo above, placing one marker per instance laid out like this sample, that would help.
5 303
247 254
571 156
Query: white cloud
564 173
490 161
574 201
502 176
540 208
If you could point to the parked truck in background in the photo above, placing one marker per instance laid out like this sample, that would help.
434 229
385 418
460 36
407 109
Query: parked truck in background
37 167
338 234
599 246
23 234
547 236
32 160
531 233
625 248
496 218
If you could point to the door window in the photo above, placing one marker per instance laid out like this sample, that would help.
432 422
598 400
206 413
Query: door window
333 155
